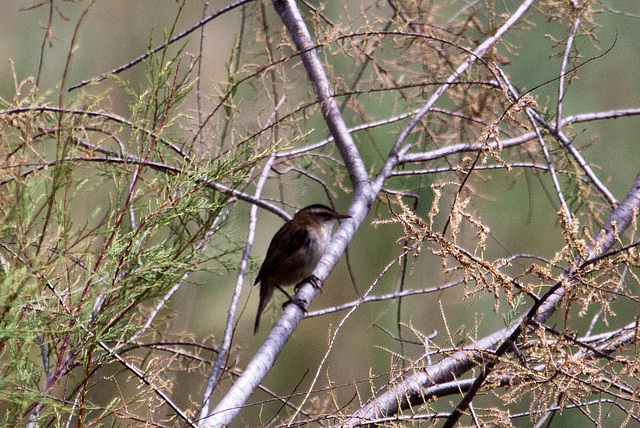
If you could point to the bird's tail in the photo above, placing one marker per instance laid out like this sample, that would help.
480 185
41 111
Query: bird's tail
266 290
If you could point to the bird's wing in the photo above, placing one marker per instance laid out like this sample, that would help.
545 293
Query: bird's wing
281 248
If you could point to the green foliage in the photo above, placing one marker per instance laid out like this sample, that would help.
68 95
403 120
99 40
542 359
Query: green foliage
108 221
94 240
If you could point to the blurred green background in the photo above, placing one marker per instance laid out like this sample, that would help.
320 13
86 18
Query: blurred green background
115 32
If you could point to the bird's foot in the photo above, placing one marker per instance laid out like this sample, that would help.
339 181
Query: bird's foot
313 280
298 302
293 299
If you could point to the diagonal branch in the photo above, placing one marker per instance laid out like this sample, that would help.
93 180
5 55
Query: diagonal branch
412 391
365 193
397 151
292 19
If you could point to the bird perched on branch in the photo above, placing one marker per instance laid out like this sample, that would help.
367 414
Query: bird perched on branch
294 252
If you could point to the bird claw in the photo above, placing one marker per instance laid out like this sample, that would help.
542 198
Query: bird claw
298 302
313 280
293 299
315 283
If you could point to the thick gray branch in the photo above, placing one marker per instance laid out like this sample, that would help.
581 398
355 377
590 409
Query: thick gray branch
364 195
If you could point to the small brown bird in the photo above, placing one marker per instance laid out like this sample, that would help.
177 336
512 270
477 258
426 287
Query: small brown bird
294 252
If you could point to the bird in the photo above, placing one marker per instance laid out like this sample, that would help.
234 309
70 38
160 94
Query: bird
294 252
